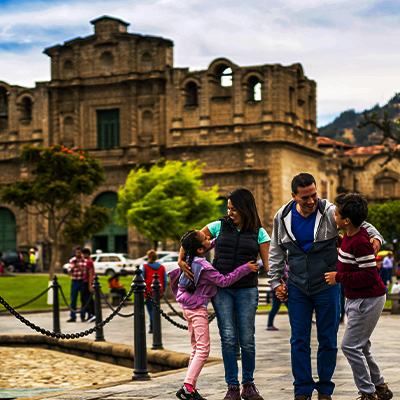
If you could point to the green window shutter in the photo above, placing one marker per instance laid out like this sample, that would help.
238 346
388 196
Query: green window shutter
8 233
108 129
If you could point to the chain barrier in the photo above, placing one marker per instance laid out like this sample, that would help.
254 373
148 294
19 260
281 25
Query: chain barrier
30 301
162 312
80 310
64 335
98 326
179 314
112 308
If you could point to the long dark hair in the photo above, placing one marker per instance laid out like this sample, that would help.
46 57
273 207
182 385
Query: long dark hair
243 200
190 242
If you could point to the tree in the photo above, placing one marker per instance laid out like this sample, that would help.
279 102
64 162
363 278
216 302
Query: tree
58 178
166 201
385 217
390 130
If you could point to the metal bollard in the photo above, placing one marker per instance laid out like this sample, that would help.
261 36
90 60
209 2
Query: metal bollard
56 306
140 371
157 339
97 309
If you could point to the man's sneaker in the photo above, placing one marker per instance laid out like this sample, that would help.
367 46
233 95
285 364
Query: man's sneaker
71 320
233 393
184 394
324 396
250 392
367 396
383 392
302 397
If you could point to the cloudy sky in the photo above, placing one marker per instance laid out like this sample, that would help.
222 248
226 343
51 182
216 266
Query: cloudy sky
349 47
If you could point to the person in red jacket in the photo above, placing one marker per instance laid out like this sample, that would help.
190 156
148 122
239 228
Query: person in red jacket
365 292
149 269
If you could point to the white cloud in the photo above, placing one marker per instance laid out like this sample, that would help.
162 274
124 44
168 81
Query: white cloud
350 48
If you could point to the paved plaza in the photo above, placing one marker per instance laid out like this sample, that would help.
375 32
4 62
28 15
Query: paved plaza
272 376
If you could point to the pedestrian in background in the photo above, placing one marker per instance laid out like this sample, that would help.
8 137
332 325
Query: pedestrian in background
87 288
32 260
149 269
77 271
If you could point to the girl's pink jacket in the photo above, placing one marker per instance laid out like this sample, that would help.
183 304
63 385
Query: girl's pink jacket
207 279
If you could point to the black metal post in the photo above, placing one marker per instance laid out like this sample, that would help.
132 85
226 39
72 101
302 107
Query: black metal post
157 336
97 309
56 306
140 371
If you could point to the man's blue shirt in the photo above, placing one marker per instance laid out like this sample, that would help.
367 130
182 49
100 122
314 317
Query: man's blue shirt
303 228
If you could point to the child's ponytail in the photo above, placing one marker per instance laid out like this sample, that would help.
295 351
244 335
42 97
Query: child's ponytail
190 243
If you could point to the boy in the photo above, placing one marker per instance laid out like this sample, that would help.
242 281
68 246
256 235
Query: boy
365 293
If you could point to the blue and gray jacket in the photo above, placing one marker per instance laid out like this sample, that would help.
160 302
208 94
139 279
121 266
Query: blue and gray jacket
306 269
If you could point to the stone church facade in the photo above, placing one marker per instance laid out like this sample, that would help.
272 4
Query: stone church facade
118 95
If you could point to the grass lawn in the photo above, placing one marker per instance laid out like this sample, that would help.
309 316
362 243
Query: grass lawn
18 289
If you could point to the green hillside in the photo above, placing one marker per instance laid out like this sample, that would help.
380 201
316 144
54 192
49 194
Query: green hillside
345 127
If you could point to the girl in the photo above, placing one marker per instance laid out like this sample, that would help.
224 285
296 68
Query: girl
193 296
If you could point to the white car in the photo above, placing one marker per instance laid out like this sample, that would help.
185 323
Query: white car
160 254
110 263
170 260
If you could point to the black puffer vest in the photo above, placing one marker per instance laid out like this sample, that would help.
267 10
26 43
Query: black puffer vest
233 249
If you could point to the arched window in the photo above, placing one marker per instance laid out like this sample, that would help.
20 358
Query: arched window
254 89
191 93
106 62
3 103
68 69
226 77
147 125
68 132
147 62
25 110
8 233
291 100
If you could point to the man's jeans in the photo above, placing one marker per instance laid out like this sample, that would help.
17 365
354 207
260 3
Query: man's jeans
243 303
327 311
76 287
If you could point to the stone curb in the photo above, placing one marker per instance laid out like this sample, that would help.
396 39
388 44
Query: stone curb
112 353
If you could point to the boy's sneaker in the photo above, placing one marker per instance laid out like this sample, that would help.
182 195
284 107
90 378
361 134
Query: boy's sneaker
383 392
302 397
367 396
233 393
184 394
250 392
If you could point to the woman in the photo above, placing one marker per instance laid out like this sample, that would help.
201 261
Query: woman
240 238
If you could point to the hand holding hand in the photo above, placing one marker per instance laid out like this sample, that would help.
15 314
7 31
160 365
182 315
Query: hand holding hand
282 292
253 266
330 277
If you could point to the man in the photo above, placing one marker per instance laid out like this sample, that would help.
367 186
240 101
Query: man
76 270
386 270
305 237
87 288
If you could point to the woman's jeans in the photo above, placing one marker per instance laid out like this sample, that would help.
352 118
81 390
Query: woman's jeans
243 303
149 306
327 311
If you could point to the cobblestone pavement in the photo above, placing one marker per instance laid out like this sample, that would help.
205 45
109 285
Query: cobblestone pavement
272 376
